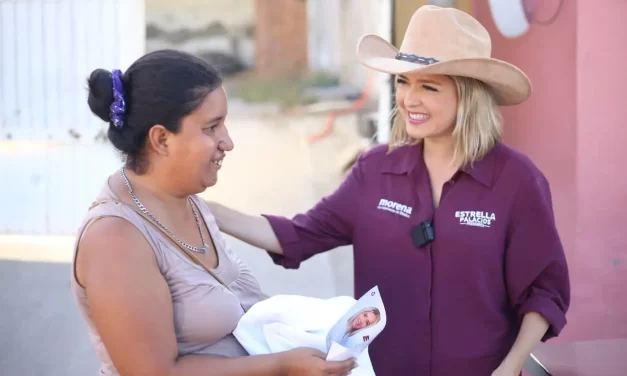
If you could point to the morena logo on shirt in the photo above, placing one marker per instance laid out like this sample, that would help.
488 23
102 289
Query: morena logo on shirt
395 207
475 218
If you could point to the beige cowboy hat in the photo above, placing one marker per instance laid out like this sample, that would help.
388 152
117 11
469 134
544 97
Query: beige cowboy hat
451 42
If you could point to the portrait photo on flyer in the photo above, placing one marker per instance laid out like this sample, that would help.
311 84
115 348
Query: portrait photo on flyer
361 324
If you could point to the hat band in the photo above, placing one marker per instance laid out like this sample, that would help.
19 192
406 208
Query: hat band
416 59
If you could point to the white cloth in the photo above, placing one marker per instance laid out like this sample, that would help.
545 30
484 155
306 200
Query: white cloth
284 322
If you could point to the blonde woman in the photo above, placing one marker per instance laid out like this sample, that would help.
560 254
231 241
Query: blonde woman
361 320
455 228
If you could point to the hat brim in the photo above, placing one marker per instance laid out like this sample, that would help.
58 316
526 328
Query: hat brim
511 85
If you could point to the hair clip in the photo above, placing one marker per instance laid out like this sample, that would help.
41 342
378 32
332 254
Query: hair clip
118 107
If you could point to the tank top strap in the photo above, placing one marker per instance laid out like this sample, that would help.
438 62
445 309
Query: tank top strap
107 204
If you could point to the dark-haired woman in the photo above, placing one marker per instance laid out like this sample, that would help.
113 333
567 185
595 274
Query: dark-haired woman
159 288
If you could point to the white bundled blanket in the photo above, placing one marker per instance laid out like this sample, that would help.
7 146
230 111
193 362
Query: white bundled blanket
285 322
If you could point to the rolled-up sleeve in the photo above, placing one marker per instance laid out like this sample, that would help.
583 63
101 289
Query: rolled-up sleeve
536 268
329 224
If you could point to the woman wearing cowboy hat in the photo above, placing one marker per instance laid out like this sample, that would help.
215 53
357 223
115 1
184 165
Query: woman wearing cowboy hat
456 228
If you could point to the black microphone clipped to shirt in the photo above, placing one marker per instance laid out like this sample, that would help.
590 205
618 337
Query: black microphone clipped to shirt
422 234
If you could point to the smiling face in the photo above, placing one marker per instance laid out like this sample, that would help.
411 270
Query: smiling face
460 111
196 152
362 320
428 104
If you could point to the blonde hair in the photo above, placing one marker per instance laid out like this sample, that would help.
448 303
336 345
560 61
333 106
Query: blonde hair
376 313
477 129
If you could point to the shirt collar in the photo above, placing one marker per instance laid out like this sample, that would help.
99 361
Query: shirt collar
404 159
483 170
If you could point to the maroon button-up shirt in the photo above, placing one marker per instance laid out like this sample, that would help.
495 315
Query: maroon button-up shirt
454 306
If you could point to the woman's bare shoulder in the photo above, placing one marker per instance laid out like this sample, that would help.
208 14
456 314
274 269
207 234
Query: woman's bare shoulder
113 242
119 272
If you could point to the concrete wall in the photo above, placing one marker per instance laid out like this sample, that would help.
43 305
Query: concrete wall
572 128
323 31
601 252
333 31
358 17
201 27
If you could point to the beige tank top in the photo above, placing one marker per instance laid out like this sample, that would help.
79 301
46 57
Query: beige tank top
205 312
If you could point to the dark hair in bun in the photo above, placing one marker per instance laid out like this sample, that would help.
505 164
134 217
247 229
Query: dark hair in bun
161 87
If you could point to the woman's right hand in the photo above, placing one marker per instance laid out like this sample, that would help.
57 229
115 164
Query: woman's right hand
311 362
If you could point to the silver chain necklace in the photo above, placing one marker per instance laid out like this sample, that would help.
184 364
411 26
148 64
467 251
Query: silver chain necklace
143 209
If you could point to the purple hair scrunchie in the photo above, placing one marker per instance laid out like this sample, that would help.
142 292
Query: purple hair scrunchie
118 107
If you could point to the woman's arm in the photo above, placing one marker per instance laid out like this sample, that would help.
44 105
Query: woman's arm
327 225
533 328
254 230
131 307
536 270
